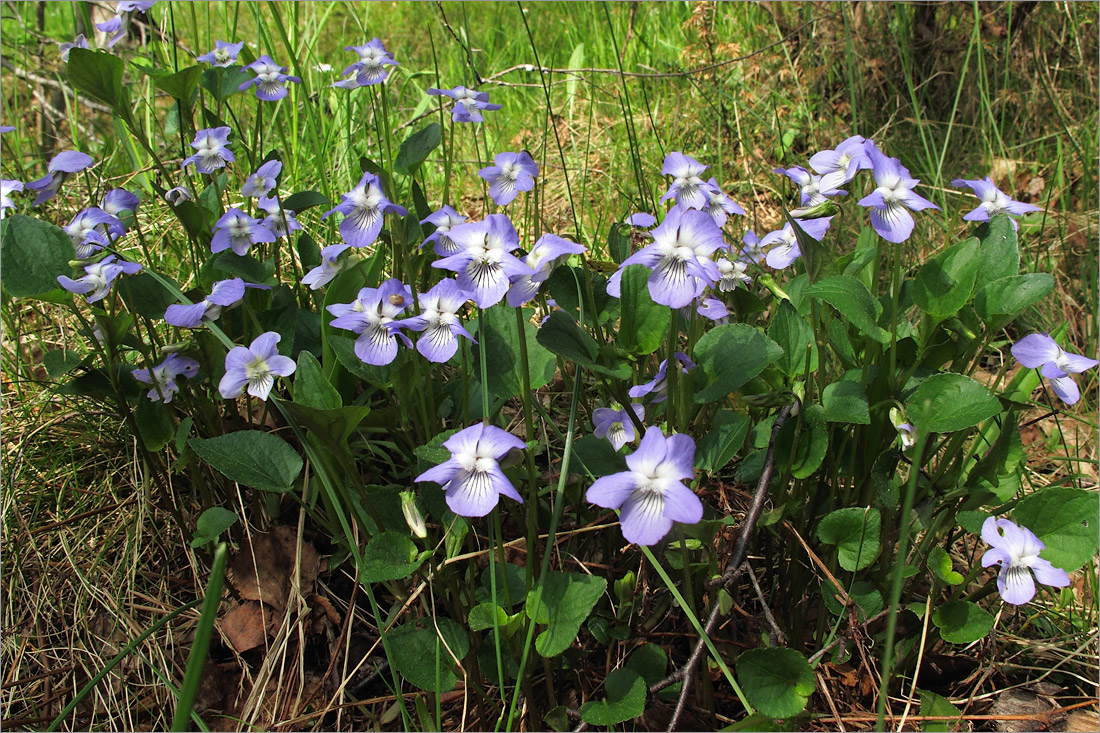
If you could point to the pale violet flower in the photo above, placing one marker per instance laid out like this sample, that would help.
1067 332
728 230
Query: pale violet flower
509 174
713 309
813 188
8 187
363 208
262 181
212 150
62 167
1016 549
279 221
270 81
331 265
484 263
784 245
79 42
371 66
93 229
438 321
658 386
687 186
542 258
993 201
652 494
837 167
471 477
98 277
118 200
239 231
163 376
1040 351
468 102
224 294
255 366
371 316
224 54
719 205
616 425
894 198
733 274
442 220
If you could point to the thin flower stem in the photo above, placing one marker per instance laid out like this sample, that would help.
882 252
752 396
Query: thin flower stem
529 428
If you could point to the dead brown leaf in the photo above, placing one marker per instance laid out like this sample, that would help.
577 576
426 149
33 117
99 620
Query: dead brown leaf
262 570
245 625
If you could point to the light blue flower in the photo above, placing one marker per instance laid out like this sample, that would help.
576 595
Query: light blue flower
255 366
471 477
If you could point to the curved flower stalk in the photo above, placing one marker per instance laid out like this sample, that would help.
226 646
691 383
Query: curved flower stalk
331 265
255 366
658 386
993 201
813 188
467 103
240 231
211 150
1040 351
363 208
163 376
62 167
652 494
484 262
471 477
679 257
784 245
372 315
224 294
616 425
509 174
224 54
270 81
370 68
443 220
1016 549
542 258
894 198
438 321
98 278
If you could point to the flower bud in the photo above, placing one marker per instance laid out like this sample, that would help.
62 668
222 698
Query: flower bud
412 515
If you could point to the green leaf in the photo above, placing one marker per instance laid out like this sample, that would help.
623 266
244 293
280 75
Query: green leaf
421 655
856 533
567 599
211 524
962 622
248 268
644 324
311 389
34 253
144 294
939 562
813 442
481 616
729 356
718 447
933 705
598 456
224 82
59 362
947 402
498 336
866 597
182 84
99 75
302 200
777 681
562 335
154 424
416 147
389 556
853 301
1004 298
793 334
1064 519
846 401
256 459
817 258
944 284
333 425
1000 250
626 695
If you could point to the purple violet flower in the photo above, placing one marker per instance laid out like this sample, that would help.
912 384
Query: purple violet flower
713 310
652 494
93 229
753 251
371 316
641 219
471 477
542 258
239 231
79 42
224 54
331 266
837 167
658 386
371 66
679 257
279 221
616 425
8 187
134 6
178 195
719 205
443 220
163 376
891 202
224 294
786 249
270 81
212 146
363 208
1040 351
98 278
812 187
438 320
1016 549
262 181
255 366
484 262
733 274
468 102
687 185
115 28
61 167
993 201
510 174
118 200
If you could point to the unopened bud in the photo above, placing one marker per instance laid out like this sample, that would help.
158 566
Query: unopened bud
769 282
905 431
817 211
412 514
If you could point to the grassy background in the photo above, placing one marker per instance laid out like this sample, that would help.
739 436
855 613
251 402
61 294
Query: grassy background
954 90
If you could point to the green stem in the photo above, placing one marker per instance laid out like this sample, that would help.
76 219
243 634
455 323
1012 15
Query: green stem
200 645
